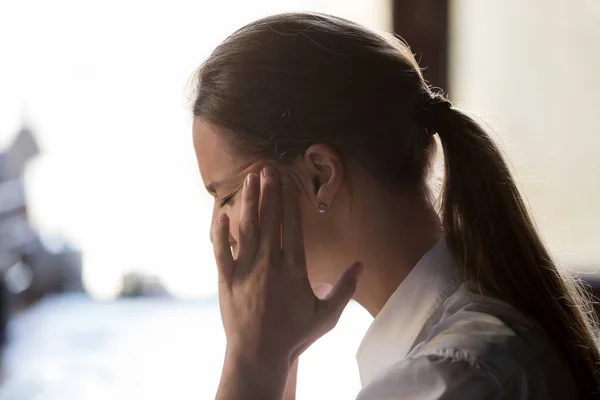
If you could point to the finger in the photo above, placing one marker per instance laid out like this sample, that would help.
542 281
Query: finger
292 236
336 301
222 249
248 228
270 215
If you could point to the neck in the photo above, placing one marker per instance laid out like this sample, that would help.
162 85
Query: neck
390 242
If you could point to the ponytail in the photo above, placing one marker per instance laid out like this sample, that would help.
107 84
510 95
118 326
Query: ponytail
490 232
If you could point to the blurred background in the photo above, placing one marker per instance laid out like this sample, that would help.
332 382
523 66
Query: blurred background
108 284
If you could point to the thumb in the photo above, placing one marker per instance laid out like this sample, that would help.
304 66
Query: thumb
343 290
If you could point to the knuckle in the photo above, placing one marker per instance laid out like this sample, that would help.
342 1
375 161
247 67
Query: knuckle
288 265
274 211
268 211
291 263
216 234
270 190
248 195
294 221
248 227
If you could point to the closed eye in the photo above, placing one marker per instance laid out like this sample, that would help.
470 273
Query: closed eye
227 200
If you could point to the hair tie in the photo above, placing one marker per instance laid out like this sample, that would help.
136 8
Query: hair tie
434 106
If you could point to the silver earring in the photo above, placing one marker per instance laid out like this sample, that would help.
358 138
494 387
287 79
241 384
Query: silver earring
323 207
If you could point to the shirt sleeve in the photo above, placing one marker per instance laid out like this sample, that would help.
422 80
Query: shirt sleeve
433 377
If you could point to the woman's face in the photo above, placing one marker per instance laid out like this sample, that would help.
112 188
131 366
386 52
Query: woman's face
223 175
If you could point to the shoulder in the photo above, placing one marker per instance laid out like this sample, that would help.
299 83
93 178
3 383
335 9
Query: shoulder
492 339
432 376
475 347
489 332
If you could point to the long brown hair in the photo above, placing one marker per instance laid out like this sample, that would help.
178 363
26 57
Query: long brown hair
288 81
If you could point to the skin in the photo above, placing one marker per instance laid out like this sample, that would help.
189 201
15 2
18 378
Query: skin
268 260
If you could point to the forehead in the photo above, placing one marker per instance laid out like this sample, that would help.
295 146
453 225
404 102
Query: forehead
216 159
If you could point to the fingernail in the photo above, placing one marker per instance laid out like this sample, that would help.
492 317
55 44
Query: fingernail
251 180
359 270
222 218
269 171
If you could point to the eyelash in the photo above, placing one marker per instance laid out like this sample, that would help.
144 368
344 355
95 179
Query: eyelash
227 200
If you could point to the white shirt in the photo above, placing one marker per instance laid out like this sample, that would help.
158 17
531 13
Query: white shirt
438 338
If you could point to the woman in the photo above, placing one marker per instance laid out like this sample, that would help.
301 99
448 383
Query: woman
316 137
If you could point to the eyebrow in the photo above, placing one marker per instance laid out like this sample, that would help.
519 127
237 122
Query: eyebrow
212 186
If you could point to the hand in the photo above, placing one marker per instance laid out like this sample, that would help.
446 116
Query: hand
269 311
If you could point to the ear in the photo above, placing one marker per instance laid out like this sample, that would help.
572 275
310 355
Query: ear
326 171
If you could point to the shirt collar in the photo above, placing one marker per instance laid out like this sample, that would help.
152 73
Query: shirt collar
393 333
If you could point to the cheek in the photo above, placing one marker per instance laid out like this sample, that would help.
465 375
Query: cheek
317 246
311 240
310 227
